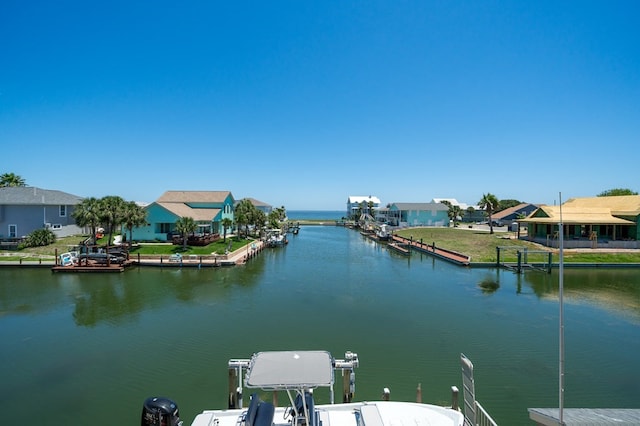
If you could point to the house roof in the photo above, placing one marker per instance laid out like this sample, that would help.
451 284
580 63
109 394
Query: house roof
183 210
358 199
30 195
511 210
193 197
622 205
421 206
177 202
255 202
592 210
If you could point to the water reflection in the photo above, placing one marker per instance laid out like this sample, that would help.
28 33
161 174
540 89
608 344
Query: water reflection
172 330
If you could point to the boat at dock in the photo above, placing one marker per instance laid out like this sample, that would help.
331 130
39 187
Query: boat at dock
276 238
297 374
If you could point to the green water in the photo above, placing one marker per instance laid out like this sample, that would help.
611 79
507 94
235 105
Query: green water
88 349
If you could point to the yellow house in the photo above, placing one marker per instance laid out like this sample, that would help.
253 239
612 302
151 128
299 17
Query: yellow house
596 222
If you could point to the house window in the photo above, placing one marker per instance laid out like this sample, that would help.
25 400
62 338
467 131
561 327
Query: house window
63 211
56 226
13 231
165 228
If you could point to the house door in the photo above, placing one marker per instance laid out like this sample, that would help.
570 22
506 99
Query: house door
13 231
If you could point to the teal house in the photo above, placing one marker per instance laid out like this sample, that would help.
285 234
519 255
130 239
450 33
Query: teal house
206 208
418 214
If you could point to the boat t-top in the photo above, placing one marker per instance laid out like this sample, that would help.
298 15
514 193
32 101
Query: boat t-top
298 374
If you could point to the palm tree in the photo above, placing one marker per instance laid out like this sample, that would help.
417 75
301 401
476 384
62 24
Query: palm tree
134 216
87 213
450 212
244 214
185 226
226 224
489 203
11 179
259 219
112 213
370 207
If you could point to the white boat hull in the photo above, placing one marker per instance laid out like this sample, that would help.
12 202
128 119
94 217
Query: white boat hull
378 413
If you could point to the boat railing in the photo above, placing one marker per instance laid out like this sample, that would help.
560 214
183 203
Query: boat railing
482 417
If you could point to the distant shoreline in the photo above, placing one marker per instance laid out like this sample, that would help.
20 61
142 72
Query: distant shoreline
315 215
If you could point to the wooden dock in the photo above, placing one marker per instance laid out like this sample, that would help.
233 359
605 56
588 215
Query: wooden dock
585 416
92 268
399 248
444 254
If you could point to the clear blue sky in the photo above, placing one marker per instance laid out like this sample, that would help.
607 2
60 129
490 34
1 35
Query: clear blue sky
302 104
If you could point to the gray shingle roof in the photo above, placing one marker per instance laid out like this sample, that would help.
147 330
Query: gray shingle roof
30 195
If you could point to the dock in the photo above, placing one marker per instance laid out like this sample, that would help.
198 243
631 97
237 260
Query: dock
237 257
91 268
441 253
399 248
585 416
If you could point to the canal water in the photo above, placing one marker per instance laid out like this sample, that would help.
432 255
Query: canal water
88 349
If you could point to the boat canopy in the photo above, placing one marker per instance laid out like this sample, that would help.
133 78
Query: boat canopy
289 370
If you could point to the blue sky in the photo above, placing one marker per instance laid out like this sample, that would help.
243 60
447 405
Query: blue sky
302 104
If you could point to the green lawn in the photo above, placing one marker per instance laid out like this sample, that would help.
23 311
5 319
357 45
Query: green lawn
481 246
63 245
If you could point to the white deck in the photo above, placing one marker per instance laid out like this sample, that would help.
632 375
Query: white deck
380 413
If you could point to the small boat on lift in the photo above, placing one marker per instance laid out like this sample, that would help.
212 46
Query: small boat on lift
298 374
383 233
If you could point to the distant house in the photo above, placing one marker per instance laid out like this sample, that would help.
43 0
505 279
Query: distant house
469 213
356 202
418 214
207 208
596 222
510 215
23 209
260 205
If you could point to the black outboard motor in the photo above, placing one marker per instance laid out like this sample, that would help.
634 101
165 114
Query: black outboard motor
160 412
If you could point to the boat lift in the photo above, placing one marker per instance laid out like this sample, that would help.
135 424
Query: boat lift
523 259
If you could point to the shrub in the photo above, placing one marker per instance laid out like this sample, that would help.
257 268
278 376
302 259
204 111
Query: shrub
39 238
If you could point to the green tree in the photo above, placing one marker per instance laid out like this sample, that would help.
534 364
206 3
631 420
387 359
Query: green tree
489 203
244 214
226 224
186 226
273 220
259 219
11 179
87 213
616 191
134 216
40 238
112 213
470 212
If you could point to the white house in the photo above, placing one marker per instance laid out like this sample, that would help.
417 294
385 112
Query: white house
354 202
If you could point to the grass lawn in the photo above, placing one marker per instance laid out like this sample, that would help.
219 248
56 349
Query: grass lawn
218 247
481 246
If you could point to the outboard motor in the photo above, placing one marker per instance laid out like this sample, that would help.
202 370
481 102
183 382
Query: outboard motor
160 412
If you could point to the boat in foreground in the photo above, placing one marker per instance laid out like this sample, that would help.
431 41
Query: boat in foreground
297 374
